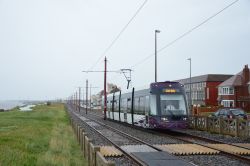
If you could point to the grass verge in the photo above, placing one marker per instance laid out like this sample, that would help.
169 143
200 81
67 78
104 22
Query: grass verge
39 137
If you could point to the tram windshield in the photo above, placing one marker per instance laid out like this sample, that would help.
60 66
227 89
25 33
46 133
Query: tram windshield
173 105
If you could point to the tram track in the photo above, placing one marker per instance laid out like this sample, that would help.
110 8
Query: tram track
221 146
88 122
124 142
203 142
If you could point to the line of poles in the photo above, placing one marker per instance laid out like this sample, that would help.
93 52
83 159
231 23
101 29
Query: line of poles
76 98
78 101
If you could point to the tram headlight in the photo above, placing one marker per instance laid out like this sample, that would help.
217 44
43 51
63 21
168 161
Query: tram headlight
164 119
185 118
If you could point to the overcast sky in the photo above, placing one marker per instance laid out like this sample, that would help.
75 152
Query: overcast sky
45 44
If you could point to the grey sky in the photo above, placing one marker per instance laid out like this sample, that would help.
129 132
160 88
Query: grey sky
44 45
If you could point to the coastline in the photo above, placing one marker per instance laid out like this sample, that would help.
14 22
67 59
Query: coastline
10 104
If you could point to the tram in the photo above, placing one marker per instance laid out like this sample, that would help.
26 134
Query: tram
161 106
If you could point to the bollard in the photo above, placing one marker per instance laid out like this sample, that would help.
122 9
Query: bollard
87 141
92 154
83 143
78 134
82 139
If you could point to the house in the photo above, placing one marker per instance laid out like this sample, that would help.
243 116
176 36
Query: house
235 91
249 87
203 88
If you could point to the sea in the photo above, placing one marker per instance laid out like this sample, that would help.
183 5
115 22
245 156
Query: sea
9 104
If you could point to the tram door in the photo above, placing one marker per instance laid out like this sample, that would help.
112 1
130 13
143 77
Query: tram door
128 110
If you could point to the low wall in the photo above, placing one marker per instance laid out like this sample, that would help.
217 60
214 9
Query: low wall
234 127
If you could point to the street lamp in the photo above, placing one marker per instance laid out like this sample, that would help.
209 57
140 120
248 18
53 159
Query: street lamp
190 82
156 31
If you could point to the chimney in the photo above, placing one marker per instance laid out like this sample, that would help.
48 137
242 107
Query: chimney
246 74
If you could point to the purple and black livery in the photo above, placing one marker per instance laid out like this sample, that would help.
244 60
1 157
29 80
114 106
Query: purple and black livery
161 106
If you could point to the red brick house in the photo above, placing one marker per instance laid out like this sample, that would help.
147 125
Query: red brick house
235 91
204 88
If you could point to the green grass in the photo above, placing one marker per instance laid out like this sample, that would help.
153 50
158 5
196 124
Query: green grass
40 137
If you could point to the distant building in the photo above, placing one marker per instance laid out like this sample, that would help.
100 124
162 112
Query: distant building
235 91
204 88
96 100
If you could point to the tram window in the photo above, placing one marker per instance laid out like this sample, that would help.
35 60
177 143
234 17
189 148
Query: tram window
142 104
136 104
123 105
147 104
110 106
128 105
172 105
115 105
153 105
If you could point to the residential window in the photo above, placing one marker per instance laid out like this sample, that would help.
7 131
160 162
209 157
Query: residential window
227 103
226 90
204 84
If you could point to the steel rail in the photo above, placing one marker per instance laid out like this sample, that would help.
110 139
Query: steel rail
208 140
131 137
242 158
188 140
137 161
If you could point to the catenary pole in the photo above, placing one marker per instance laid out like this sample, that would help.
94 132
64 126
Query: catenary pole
79 99
156 31
86 97
105 93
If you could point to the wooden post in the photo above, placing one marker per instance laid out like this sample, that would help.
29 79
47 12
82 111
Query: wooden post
92 154
78 131
206 123
220 125
237 127
83 142
87 146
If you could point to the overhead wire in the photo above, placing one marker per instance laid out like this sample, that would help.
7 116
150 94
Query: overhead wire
185 34
119 34
168 44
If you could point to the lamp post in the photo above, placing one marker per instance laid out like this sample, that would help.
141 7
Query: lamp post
156 31
190 82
